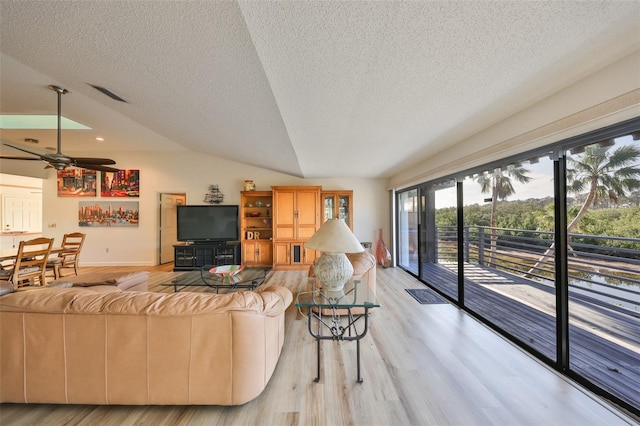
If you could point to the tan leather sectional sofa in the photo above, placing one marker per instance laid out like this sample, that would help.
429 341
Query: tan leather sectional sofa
102 345
364 268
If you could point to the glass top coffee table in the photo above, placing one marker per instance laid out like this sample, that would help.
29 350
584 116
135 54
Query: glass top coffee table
248 278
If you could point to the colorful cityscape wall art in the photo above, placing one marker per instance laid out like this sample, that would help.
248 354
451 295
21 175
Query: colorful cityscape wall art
123 183
108 213
74 182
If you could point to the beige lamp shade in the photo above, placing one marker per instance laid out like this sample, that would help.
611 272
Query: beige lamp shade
334 236
334 239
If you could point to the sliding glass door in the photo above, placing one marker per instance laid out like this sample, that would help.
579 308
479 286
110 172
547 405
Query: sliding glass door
440 251
509 245
603 181
544 247
408 211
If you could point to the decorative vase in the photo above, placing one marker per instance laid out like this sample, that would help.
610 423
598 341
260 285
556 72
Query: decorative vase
249 185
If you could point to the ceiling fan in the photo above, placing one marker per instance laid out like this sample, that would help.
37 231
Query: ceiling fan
58 160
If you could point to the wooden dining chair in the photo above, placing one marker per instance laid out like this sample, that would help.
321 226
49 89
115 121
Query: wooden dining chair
30 264
69 256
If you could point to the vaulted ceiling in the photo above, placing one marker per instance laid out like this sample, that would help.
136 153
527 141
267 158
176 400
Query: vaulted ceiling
311 89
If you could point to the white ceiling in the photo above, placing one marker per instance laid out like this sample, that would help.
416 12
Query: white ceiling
312 89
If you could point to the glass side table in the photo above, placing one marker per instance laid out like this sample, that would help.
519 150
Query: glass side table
342 315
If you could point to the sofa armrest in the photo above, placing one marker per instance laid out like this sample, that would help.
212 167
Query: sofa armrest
276 299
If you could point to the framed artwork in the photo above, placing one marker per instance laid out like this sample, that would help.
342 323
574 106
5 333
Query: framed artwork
123 183
108 213
74 182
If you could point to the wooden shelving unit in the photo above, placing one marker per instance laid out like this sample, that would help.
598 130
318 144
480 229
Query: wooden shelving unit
256 228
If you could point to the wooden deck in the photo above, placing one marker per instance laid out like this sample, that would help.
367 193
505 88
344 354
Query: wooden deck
604 340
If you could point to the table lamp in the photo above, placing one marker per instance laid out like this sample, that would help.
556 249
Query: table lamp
334 239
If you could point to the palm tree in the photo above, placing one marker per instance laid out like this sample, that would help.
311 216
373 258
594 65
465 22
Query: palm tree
499 185
606 176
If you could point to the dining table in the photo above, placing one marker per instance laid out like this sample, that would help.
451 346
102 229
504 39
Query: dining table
12 253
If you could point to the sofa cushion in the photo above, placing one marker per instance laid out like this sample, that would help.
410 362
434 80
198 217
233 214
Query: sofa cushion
124 280
270 302
60 284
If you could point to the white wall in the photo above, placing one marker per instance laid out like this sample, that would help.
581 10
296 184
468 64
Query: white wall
190 173
606 97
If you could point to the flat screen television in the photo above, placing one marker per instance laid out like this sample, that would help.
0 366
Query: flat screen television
208 223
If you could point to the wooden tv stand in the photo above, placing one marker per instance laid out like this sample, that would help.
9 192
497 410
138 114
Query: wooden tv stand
190 256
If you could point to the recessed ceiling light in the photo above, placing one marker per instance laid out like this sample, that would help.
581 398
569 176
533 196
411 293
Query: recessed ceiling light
99 139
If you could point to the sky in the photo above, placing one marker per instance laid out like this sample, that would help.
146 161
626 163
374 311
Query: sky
540 185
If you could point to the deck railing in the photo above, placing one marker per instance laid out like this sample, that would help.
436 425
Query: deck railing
606 269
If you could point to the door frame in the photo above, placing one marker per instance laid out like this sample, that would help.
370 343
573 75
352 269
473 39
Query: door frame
160 196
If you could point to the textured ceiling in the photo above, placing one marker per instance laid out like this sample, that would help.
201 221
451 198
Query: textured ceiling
313 89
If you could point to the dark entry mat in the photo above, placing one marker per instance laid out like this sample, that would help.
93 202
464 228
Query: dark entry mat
425 296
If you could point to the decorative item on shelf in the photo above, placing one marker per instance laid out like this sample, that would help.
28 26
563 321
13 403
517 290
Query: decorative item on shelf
253 214
249 185
227 272
214 196
253 235
258 203
334 239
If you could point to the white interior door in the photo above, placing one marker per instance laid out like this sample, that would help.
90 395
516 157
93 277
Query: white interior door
21 213
168 229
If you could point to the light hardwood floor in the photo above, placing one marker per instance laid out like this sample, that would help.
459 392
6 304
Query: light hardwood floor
422 365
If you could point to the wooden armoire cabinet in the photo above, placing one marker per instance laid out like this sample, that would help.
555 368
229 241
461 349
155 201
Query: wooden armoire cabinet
338 204
297 215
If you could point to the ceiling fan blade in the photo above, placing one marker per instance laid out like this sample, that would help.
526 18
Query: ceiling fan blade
90 160
96 167
15 157
24 150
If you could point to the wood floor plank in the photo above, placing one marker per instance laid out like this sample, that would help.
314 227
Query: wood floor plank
421 364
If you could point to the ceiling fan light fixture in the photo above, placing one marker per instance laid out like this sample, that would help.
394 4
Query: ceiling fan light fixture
57 159
58 89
